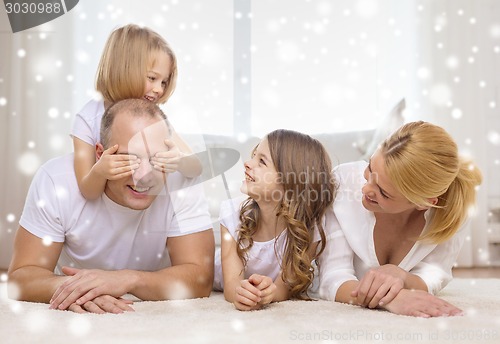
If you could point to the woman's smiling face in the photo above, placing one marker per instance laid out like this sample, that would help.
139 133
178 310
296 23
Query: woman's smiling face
379 193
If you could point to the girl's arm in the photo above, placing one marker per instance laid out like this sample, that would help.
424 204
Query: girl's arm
271 291
282 292
91 176
278 290
189 164
90 183
177 157
241 292
232 266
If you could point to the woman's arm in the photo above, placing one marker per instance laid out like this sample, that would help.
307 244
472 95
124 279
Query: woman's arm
336 263
435 268
380 285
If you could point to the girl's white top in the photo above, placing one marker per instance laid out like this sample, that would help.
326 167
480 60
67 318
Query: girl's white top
264 258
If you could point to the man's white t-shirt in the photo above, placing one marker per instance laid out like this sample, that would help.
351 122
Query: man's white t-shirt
102 234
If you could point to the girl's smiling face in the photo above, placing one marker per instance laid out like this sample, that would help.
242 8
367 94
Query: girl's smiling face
157 77
262 181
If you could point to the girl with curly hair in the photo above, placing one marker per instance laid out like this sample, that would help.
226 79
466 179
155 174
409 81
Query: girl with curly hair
270 240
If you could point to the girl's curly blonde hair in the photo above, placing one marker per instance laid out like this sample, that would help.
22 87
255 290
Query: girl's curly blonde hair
305 173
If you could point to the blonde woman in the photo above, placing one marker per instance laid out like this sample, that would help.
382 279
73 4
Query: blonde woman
401 217
270 239
136 63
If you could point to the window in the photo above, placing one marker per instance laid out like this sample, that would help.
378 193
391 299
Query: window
249 67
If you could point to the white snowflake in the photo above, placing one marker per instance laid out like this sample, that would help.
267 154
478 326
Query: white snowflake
456 113
440 94
79 325
28 163
35 321
452 62
57 142
11 218
367 8
494 138
53 113
47 240
237 325
423 73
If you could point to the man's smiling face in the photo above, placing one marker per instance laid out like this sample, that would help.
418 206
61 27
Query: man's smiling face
143 137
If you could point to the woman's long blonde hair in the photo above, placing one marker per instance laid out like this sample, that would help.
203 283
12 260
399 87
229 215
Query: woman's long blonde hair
129 52
422 161
305 173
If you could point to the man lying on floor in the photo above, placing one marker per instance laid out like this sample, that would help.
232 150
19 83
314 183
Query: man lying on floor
85 255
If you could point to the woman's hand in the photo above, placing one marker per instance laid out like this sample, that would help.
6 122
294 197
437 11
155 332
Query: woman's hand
419 303
380 286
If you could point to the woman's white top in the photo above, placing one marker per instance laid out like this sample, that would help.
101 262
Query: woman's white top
350 252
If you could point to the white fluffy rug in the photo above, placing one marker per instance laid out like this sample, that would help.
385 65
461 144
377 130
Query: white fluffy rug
213 320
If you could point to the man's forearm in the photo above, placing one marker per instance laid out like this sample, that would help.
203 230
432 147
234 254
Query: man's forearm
175 282
33 284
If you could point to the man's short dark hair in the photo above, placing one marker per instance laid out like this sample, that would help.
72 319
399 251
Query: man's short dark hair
135 107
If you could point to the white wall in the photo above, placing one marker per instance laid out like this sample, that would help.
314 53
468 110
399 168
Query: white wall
459 48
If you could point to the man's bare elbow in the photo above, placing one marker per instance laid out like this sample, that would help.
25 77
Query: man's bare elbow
205 291
206 284
14 286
